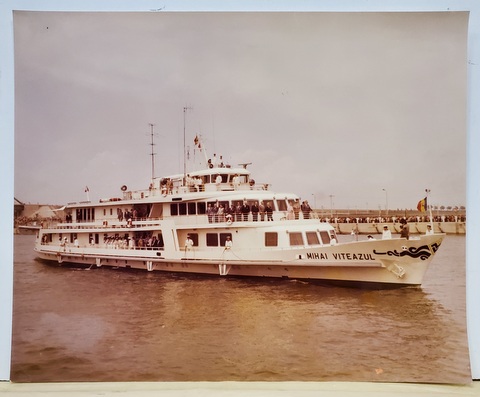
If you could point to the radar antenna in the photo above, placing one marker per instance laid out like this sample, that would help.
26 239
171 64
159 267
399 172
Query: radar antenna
244 165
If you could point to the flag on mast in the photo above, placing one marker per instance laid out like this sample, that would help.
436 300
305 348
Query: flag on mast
422 205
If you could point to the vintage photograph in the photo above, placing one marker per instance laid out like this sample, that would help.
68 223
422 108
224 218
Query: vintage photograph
240 196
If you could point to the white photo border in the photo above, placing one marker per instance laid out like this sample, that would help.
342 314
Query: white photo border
7 123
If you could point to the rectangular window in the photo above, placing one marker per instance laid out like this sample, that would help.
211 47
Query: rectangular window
223 238
296 238
282 205
182 208
312 238
325 237
201 208
160 243
194 237
212 240
271 239
192 208
173 209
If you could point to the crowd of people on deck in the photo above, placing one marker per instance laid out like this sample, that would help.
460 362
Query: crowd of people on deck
145 241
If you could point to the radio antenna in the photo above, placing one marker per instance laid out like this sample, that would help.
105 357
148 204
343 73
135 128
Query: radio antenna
152 144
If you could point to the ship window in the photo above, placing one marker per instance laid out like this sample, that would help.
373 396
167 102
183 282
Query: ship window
296 238
194 237
173 209
223 238
282 205
325 237
192 208
182 208
201 208
160 243
212 240
271 239
312 238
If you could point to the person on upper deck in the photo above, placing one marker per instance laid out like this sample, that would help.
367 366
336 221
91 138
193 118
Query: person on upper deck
255 210
261 208
306 209
245 211
218 181
269 211
290 213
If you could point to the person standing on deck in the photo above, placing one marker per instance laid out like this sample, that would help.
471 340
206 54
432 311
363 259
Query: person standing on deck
245 211
269 211
386 234
188 243
255 211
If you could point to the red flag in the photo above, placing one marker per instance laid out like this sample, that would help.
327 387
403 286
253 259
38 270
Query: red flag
195 141
422 205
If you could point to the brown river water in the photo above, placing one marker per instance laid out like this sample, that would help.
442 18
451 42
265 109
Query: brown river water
116 325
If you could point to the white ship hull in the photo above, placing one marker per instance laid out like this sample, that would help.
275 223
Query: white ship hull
388 262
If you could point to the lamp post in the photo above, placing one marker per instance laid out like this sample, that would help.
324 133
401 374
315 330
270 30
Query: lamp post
331 205
386 201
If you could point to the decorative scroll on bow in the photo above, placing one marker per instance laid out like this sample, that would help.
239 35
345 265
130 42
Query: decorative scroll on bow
423 252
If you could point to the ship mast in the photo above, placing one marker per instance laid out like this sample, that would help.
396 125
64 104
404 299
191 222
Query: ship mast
152 154
184 145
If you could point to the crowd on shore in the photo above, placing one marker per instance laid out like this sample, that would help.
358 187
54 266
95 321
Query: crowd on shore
394 219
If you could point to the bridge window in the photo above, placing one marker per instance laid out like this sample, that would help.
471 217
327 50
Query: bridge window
182 208
192 208
325 237
296 238
282 205
312 238
201 208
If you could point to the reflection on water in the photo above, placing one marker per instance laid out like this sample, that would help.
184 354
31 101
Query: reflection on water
108 325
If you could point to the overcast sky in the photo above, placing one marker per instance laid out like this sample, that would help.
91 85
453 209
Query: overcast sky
362 106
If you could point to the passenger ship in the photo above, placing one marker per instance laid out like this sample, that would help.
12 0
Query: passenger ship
206 222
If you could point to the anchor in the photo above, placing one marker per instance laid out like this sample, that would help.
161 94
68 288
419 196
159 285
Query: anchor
397 270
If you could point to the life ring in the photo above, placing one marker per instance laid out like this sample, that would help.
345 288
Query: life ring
210 165
124 188
229 222
252 182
